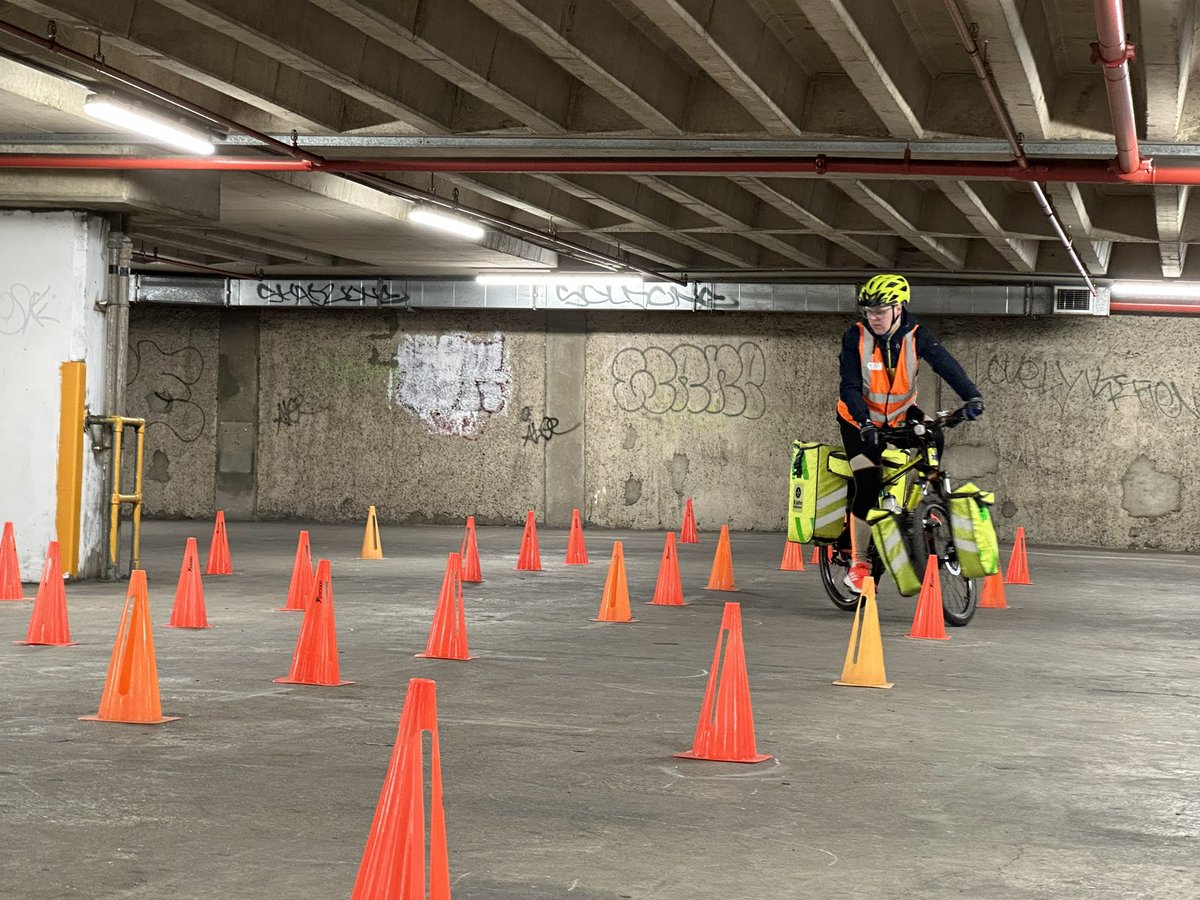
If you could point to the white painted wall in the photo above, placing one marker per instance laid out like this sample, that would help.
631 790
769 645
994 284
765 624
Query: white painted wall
52 268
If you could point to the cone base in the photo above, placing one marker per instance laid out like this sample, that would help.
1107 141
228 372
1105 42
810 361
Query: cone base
883 686
472 581
1017 581
13 599
926 637
527 569
656 603
230 572
687 541
617 621
97 718
288 609
189 627
314 683
45 643
727 590
757 758
435 656
586 562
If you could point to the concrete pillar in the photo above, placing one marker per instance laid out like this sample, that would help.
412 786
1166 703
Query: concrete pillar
52 279
566 340
237 413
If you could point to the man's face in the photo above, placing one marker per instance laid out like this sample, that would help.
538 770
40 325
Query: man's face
880 319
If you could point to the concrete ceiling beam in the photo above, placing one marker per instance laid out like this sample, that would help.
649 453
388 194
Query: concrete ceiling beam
1020 254
1170 209
156 194
1073 213
949 254
226 240
152 239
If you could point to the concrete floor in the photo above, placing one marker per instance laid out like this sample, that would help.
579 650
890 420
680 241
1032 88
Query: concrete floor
1048 750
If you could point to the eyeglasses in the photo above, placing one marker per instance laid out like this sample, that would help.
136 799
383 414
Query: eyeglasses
877 312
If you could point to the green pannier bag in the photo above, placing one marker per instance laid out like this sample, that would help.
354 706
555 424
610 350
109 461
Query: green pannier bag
973 530
887 532
817 499
892 461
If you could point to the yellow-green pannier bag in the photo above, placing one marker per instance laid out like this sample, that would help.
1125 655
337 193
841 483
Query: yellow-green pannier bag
817 499
974 532
888 535
892 460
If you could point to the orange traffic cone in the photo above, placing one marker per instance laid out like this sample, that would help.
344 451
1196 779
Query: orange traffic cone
469 551
371 548
1018 563
10 568
219 562
189 593
669 589
131 688
864 654
816 557
393 861
301 584
315 660
993 593
576 551
721 576
726 729
687 534
614 603
927 621
448 634
793 557
48 624
529 560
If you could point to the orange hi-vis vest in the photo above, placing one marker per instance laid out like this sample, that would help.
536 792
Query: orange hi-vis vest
888 396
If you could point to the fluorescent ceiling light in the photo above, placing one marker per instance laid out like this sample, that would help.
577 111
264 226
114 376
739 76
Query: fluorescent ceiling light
431 218
1155 290
550 279
114 112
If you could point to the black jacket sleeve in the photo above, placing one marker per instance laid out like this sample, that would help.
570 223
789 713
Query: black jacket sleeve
851 389
945 365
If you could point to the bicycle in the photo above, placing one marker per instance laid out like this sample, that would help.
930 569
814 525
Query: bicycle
925 522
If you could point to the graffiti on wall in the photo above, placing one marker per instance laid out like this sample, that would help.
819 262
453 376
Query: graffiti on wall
1070 385
452 382
654 295
290 410
329 293
541 433
717 378
167 378
21 306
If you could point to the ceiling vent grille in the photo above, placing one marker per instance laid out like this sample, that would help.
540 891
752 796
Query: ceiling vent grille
1077 301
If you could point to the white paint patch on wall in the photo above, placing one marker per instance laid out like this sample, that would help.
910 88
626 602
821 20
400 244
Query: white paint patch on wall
452 382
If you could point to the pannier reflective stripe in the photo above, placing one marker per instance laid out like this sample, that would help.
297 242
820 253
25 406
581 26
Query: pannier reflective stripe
973 531
888 535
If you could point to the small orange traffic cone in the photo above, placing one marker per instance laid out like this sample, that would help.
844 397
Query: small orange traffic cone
725 731
371 548
301 585
992 596
529 560
469 551
687 534
131 688
864 654
669 589
393 861
793 557
10 568
219 562
576 550
448 634
1018 563
721 576
614 603
315 660
816 557
189 609
928 623
48 625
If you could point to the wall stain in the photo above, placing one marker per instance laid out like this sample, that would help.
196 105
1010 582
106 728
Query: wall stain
160 466
633 491
1147 492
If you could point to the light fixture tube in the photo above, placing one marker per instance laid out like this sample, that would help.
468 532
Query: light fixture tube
432 218
550 279
114 112
1155 290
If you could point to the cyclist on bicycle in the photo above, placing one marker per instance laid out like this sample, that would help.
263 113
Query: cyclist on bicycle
879 362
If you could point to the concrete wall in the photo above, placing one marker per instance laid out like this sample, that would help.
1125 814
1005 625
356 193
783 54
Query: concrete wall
435 416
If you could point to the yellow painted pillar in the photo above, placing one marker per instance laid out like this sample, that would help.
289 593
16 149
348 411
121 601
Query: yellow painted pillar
70 463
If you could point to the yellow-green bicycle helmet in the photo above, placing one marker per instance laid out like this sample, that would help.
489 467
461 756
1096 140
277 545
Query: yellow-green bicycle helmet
884 290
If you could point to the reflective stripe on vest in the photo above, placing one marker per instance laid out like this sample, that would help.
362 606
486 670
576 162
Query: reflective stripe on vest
888 398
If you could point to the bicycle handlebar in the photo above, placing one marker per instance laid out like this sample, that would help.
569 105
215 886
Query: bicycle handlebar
920 429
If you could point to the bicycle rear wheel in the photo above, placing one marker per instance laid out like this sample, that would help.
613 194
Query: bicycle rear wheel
931 536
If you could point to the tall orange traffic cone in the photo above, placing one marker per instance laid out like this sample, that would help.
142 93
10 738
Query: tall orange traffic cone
725 731
48 624
371 548
301 585
10 568
992 596
131 688
793 557
219 562
576 550
721 576
448 634
189 609
469 551
315 660
529 559
393 861
864 654
1018 563
687 533
614 603
927 621
669 589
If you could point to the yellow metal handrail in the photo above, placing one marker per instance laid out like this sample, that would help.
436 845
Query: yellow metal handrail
118 424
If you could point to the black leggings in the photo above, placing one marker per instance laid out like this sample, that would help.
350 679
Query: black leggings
864 491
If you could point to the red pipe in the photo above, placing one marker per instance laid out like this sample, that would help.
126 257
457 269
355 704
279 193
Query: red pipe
1177 309
1114 52
201 163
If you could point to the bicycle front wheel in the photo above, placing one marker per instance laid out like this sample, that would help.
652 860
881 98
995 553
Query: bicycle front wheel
835 565
931 536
